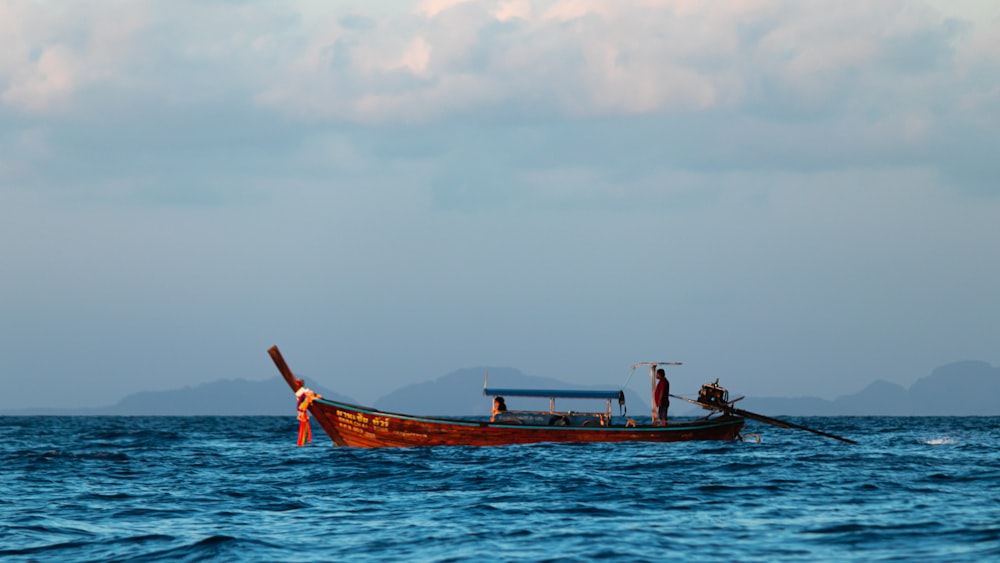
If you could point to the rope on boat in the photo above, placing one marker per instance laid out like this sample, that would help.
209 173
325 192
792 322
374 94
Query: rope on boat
622 409
629 378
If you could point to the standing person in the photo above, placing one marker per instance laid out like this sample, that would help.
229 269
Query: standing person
662 396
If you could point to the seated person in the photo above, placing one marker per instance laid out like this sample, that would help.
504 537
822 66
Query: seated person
499 406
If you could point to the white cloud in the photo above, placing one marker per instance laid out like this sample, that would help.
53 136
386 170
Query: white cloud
416 56
571 59
431 8
512 9
746 85
51 53
577 59
972 10
46 82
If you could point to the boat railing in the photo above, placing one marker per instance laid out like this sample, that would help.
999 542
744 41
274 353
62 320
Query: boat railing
553 418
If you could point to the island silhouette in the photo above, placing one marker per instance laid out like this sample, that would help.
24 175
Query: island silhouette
966 388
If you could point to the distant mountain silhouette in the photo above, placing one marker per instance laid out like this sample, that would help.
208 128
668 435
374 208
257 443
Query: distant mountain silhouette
227 397
460 393
968 388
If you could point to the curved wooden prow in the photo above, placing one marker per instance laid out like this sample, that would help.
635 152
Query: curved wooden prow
293 382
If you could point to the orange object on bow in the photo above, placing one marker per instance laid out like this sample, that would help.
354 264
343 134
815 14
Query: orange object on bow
306 397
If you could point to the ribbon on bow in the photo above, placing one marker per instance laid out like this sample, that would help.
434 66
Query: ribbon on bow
305 397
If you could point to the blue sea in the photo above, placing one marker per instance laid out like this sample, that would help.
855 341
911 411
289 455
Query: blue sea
238 489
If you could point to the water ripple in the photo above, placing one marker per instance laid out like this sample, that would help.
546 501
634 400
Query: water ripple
195 489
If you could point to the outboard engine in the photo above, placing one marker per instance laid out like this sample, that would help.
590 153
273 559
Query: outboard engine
713 394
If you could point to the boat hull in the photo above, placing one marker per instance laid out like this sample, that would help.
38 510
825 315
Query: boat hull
360 427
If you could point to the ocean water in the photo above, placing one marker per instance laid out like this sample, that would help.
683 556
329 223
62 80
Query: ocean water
238 489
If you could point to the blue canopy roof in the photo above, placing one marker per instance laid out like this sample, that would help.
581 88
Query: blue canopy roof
553 393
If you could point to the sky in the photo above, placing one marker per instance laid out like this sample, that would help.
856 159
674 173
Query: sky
796 197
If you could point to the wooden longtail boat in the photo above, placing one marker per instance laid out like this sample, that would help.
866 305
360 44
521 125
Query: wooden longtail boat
362 427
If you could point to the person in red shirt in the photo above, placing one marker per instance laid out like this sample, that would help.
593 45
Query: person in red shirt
662 396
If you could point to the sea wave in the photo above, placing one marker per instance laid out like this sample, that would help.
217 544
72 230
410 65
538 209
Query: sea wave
238 489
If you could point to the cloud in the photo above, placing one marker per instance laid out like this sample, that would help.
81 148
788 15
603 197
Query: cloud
612 94
444 58
52 53
591 59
